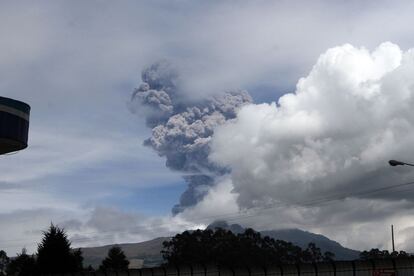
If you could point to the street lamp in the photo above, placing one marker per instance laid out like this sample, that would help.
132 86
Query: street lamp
396 163
399 163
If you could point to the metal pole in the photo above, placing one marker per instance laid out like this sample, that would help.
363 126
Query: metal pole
392 237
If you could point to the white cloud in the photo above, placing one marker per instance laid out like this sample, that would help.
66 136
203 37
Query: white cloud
219 201
347 118
333 135
356 223
23 227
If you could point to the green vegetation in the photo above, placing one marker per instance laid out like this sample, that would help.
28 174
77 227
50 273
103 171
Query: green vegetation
4 261
223 247
22 265
115 261
375 253
54 254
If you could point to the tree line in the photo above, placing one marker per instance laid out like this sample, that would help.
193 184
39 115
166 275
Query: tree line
377 254
55 255
221 247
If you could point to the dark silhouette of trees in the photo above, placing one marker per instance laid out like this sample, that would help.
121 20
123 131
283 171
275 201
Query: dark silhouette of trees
312 254
225 248
115 261
22 265
328 256
54 253
400 254
375 253
4 261
89 269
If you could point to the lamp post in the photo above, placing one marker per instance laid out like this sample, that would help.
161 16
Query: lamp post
396 163
399 163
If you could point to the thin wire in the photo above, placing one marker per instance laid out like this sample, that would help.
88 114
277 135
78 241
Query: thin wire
231 217
243 214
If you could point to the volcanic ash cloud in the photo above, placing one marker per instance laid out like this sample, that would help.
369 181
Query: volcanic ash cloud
334 134
182 128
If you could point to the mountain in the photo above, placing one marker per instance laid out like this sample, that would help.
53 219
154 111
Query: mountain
298 237
303 238
235 228
150 251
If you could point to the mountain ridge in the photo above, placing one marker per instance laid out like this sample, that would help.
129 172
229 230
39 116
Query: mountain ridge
298 237
150 251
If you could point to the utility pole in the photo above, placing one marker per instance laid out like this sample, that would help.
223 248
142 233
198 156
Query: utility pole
392 237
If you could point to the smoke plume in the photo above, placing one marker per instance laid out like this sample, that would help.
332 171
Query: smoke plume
182 128
329 139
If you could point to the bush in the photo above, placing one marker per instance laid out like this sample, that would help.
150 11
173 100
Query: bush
22 265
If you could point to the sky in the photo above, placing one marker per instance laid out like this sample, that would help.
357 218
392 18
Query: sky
330 87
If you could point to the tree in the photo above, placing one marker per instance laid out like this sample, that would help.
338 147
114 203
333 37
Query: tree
328 256
4 261
225 248
89 269
401 254
54 253
375 253
22 265
312 253
115 261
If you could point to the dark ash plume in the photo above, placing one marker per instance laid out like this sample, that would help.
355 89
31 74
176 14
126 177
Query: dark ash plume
182 129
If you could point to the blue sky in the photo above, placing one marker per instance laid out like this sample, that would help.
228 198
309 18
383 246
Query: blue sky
76 63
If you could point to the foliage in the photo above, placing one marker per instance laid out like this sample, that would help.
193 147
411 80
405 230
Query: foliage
312 254
89 269
4 261
22 265
375 253
225 248
54 254
328 256
115 261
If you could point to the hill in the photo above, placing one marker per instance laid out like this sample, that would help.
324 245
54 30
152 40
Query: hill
298 237
303 238
150 251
